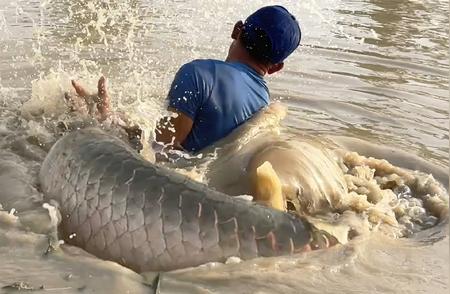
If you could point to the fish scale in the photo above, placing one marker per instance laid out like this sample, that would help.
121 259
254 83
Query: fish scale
149 218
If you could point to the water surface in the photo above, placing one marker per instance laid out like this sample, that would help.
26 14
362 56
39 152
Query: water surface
370 76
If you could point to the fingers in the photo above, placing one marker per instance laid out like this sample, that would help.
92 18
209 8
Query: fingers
103 103
101 86
99 101
79 89
102 93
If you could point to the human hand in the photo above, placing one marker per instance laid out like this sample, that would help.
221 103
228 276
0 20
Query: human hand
97 105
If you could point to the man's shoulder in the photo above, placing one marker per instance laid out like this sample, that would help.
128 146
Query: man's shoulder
204 70
202 65
205 62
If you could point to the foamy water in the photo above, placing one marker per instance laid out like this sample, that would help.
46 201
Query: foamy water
365 81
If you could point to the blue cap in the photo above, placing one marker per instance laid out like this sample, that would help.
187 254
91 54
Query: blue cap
278 27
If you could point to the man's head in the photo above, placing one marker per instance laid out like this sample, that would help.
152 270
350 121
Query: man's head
268 36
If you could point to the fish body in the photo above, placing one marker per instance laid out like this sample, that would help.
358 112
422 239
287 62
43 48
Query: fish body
120 207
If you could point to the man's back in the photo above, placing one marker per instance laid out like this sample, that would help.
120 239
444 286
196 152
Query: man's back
218 96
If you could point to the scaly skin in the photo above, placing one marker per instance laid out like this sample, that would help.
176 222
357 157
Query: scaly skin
119 207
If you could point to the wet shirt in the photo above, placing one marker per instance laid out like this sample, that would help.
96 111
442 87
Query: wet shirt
218 96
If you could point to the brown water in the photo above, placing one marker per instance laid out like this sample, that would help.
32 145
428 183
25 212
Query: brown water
371 76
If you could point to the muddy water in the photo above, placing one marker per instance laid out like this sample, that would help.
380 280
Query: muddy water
371 77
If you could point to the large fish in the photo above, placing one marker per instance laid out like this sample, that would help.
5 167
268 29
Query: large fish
119 207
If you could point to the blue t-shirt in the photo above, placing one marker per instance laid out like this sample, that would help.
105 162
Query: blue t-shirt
218 96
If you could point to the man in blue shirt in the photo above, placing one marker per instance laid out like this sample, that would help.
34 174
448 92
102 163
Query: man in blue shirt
210 97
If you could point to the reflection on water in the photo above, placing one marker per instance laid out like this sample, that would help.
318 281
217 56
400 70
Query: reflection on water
371 76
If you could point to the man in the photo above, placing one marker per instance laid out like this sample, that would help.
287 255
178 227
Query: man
210 98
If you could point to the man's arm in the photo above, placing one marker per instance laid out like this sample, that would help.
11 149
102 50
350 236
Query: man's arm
185 98
174 129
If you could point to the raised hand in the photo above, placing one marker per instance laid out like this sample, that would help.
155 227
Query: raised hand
97 105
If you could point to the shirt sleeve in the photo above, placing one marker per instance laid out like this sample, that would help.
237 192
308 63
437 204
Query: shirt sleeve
186 93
